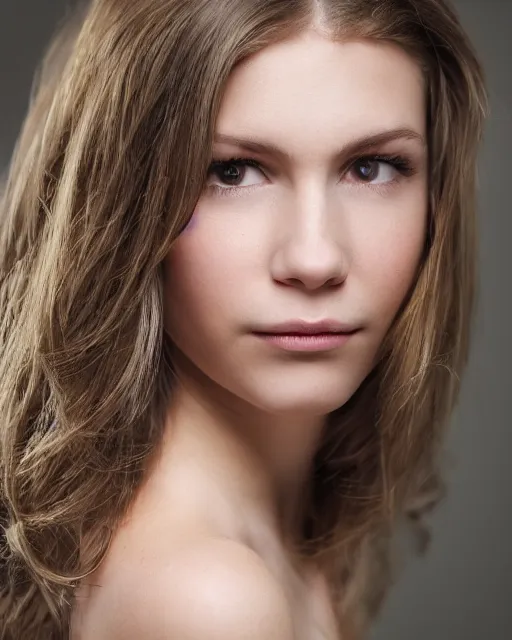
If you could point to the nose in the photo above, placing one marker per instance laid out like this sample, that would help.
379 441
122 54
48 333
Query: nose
309 256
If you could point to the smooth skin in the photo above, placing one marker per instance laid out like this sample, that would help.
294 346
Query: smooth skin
209 588
308 234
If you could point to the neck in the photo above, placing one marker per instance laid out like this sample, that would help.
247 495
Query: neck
261 462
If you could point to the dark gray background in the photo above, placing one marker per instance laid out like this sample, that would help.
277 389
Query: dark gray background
463 588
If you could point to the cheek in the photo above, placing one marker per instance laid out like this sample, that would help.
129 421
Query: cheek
202 276
391 261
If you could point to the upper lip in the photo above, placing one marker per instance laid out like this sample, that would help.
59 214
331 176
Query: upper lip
308 328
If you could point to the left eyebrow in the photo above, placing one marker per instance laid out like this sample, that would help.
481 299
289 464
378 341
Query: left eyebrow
353 147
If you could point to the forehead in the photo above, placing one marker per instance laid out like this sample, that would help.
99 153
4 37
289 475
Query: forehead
313 92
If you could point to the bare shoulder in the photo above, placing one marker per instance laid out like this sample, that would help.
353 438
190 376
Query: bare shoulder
209 589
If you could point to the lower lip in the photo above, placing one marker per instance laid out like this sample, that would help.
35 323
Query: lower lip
304 342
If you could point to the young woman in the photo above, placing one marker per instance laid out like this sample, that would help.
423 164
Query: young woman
237 271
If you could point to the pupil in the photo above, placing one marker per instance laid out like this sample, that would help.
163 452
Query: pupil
367 169
231 172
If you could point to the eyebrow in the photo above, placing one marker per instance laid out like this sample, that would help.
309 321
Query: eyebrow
353 147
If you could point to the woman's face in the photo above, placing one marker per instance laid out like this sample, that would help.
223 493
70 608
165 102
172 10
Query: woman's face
312 230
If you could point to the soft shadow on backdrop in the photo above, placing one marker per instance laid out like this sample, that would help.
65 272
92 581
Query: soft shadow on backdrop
463 588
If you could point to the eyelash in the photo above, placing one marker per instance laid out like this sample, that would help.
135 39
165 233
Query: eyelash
401 163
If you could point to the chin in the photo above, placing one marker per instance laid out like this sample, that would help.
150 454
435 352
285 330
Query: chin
312 399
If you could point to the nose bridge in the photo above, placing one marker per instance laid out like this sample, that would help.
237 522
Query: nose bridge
311 220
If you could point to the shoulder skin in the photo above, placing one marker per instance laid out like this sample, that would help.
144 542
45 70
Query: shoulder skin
213 589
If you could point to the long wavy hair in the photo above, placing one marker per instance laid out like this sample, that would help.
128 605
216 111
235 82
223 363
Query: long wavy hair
110 163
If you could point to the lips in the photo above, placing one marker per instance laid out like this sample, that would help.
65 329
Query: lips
306 337
306 328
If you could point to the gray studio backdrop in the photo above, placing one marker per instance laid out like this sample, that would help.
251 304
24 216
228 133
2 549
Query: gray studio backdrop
463 588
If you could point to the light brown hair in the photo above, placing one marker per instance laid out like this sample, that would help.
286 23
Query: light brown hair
110 163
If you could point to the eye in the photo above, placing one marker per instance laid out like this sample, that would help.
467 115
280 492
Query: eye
238 175
377 169
233 174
